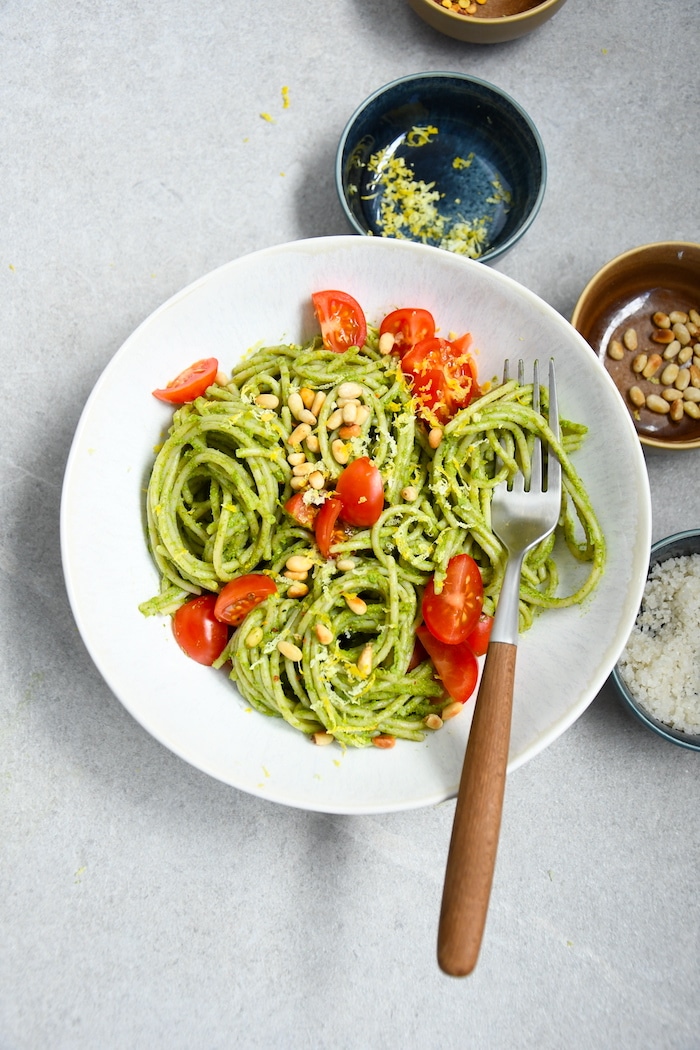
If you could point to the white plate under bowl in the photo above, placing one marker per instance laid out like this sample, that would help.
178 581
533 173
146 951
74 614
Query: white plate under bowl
265 298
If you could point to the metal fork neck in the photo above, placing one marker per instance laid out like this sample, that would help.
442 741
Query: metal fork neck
506 620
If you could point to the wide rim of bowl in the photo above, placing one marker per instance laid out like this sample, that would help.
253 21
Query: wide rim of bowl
598 276
528 220
660 550
504 20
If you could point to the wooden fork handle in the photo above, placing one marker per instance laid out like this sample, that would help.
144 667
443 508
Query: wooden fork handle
472 854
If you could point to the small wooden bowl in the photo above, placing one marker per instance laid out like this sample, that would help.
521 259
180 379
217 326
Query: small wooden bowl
626 293
493 21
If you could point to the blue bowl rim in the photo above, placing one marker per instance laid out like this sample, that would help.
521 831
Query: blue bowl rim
500 249
692 743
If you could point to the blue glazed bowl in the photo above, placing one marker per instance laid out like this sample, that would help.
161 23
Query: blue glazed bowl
444 159
680 544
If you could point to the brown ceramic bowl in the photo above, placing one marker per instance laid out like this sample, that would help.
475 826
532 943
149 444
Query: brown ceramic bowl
626 294
492 22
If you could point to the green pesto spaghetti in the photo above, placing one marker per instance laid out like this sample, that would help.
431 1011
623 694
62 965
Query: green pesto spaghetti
330 651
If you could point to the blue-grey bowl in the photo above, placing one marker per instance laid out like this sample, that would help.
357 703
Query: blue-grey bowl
486 150
678 545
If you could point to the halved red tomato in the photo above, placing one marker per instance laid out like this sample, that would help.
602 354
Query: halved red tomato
442 374
341 319
456 665
302 512
239 596
408 327
191 383
452 614
480 636
325 528
361 492
197 630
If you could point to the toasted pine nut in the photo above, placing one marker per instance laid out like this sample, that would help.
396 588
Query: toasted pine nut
340 452
364 662
267 401
435 437
681 333
298 483
349 411
682 379
662 335
693 329
312 443
363 414
691 409
678 317
316 479
349 430
318 403
289 650
671 350
299 434
657 404
299 563
676 411
355 604
322 739
432 722
451 710
341 402
652 366
691 393
297 577
684 355
630 340
344 564
295 404
694 316
410 494
295 458
636 396
661 320
669 374
297 590
350 390
694 375
254 637
384 741
323 633
302 470
308 396
616 350
671 394
308 417
386 343
335 419
639 363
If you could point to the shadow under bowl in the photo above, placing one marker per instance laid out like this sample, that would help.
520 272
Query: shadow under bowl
443 159
626 293
679 545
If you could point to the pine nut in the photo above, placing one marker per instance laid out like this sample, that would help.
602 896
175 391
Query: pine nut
630 340
298 483
652 366
682 379
678 317
691 393
341 402
363 414
349 430
676 411
364 663
308 417
694 316
671 350
318 403
299 434
435 437
267 401
335 419
350 390
355 604
681 333
639 363
323 633
322 739
345 564
636 396
694 375
295 458
308 396
410 494
296 577
295 404
669 374
289 650
340 451
349 411
432 722
616 350
316 480
657 404
685 354
386 343
691 409
254 637
302 470
297 590
384 741
299 563
451 710
661 320
671 394
312 443
662 335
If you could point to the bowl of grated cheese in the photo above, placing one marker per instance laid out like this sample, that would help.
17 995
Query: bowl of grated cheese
444 159
658 673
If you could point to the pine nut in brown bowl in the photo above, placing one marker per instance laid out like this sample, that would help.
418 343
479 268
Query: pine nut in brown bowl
641 315
485 21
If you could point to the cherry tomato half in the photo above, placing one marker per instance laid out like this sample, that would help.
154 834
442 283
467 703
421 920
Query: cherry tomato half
197 630
239 596
304 513
361 492
190 383
442 375
479 637
341 319
456 665
408 327
452 614
325 529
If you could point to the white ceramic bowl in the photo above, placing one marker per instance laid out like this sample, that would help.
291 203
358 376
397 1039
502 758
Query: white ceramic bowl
265 297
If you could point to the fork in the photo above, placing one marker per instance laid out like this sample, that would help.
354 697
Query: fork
522 514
